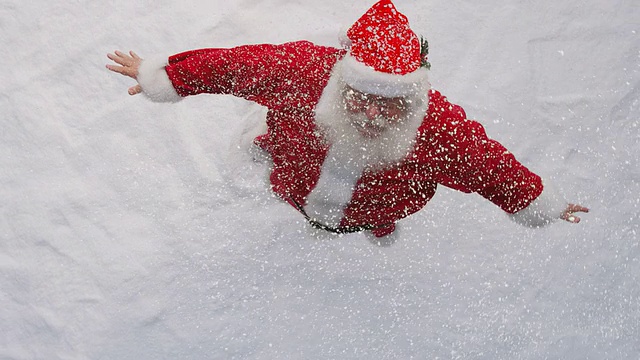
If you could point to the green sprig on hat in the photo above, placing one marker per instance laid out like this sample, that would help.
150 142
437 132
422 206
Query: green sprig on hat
424 52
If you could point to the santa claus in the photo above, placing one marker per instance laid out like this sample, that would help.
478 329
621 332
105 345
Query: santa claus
357 137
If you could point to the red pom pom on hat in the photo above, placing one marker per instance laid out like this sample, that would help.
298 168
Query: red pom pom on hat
385 54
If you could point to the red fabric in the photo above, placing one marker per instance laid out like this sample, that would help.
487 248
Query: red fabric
288 79
382 39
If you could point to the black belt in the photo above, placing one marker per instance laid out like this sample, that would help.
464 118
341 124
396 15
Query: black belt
336 230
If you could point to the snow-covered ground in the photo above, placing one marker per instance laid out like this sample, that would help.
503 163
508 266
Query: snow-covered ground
134 230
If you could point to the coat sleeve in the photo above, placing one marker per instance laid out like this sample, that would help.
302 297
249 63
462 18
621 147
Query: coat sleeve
267 74
464 158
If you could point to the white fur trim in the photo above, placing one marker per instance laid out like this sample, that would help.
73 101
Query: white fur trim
545 209
155 81
345 42
364 78
334 189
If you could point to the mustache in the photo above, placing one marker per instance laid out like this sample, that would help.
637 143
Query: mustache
361 120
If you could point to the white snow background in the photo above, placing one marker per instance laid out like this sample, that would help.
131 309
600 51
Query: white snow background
135 230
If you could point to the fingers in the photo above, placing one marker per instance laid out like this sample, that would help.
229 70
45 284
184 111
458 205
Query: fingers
118 69
570 218
129 63
134 90
577 208
121 58
568 214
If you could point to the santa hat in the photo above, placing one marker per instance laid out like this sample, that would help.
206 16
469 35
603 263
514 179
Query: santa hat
385 57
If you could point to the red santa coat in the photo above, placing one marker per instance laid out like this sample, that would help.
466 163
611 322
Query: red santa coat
289 80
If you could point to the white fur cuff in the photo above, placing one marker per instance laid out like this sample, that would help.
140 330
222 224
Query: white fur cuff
155 82
547 208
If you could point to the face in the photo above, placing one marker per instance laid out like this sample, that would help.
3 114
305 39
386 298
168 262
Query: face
372 115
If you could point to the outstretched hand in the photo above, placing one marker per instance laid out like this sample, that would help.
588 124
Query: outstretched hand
568 214
129 65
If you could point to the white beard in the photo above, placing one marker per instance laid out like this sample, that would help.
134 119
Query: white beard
350 153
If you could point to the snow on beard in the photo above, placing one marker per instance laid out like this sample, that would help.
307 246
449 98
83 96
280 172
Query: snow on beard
352 152
359 143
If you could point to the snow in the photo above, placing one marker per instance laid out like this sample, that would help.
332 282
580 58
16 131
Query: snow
135 230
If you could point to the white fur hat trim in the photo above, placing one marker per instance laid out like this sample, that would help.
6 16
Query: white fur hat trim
366 79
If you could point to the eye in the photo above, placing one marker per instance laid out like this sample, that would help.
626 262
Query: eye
348 93
395 108
353 100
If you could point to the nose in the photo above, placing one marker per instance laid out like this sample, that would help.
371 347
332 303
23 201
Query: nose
372 111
